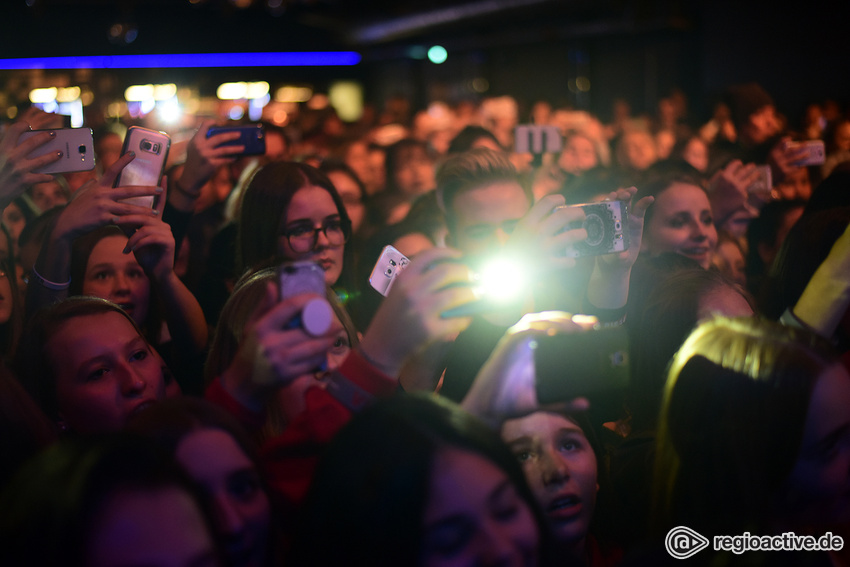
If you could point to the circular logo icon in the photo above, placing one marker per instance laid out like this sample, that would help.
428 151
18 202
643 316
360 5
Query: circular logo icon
683 542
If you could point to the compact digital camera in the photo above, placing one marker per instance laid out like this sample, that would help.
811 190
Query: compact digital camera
605 223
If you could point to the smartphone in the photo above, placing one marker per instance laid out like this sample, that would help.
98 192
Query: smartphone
815 152
253 137
763 185
588 364
295 278
75 144
390 264
606 225
151 148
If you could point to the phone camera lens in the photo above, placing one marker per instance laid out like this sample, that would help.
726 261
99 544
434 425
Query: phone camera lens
82 149
146 145
388 272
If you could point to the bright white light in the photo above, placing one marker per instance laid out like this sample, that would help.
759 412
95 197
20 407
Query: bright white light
43 95
138 93
257 90
501 280
232 91
236 113
147 106
169 110
69 94
164 92
438 54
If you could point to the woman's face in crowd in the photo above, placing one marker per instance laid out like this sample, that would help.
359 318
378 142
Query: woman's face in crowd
578 155
415 172
560 467
696 154
314 206
818 488
155 528
241 510
349 192
104 371
111 274
15 221
474 515
48 195
682 223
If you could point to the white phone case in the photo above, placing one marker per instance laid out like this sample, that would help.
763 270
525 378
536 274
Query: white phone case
389 265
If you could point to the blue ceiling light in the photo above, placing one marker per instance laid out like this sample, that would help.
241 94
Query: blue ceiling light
187 60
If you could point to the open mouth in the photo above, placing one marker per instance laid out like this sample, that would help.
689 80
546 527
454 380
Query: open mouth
564 509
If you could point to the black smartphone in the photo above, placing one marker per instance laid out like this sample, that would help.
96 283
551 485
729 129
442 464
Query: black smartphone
252 136
589 364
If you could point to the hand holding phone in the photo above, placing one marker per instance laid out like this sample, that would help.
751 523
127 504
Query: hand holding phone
151 152
296 278
251 138
74 146
606 224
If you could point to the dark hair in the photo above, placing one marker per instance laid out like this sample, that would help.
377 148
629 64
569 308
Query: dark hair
658 326
732 421
805 248
51 507
470 170
764 229
81 252
330 165
263 209
661 177
396 154
33 365
371 487
465 139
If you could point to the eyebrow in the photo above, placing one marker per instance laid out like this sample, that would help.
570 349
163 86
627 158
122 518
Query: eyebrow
334 216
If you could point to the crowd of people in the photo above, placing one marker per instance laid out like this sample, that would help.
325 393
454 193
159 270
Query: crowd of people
164 403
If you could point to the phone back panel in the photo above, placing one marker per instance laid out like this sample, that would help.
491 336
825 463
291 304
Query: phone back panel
151 149
76 145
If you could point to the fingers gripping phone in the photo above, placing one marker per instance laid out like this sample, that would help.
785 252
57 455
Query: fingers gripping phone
295 278
151 149
606 224
252 137
75 145
390 264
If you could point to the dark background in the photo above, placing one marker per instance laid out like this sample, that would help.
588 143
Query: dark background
531 49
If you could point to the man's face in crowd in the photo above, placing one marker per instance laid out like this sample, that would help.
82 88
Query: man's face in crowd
486 216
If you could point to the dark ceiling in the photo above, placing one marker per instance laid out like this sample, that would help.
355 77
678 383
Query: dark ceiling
39 28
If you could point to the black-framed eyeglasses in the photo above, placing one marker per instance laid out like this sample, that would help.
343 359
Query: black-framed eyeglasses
303 237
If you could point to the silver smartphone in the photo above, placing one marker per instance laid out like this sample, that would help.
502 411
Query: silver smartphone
390 264
151 149
75 145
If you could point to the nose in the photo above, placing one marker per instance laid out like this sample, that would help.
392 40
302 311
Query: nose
699 231
553 469
322 241
132 381
502 236
122 284
497 546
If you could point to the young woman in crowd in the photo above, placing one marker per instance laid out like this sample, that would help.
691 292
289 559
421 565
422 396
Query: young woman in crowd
680 220
89 367
414 480
291 211
110 501
87 252
753 433
221 459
